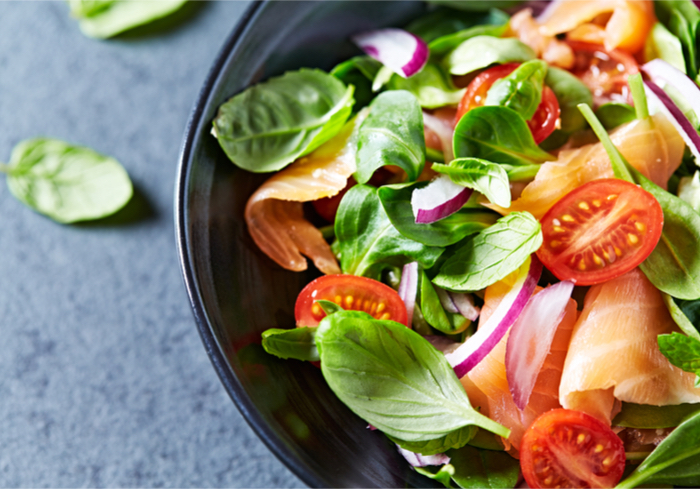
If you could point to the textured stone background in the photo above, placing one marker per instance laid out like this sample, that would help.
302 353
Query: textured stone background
103 377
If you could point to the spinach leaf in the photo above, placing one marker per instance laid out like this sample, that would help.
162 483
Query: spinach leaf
570 92
358 72
396 200
492 254
366 240
434 313
675 461
431 86
643 416
297 343
689 191
107 18
482 51
682 19
271 124
614 114
66 183
392 134
444 21
443 45
497 134
391 377
521 90
662 44
679 315
476 468
454 439
483 176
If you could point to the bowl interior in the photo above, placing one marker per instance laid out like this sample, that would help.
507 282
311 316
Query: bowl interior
236 291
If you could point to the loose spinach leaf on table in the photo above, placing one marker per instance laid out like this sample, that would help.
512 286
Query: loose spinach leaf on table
367 241
492 254
433 311
444 21
271 124
65 182
570 92
392 134
394 379
644 416
614 114
662 44
521 90
297 343
481 51
483 176
475 468
432 87
454 439
444 44
358 72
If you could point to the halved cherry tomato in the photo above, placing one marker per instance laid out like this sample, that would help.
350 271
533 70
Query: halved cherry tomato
327 207
352 294
565 448
599 231
544 122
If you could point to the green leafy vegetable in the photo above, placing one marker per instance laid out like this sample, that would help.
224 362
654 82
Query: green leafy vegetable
392 134
640 99
492 254
482 51
488 178
431 86
394 379
614 114
454 439
682 19
643 416
689 190
443 474
329 307
662 44
479 469
367 241
679 316
297 343
445 21
434 313
443 45
617 161
487 441
570 92
271 124
359 72
107 18
67 183
681 350
521 90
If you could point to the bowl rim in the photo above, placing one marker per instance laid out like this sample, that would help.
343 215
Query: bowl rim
233 386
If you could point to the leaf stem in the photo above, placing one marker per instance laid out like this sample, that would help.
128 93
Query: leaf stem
434 155
639 96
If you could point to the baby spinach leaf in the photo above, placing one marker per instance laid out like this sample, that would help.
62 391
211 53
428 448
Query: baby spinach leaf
392 134
391 377
434 313
521 90
271 124
431 86
482 51
570 92
366 240
492 254
681 350
483 176
455 439
297 343
676 460
443 45
475 468
444 21
358 72
662 44
497 134
680 317
614 114
396 200
67 183
107 18
644 416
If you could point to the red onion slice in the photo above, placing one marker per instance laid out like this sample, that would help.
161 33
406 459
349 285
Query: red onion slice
402 52
475 349
444 131
675 115
439 199
408 288
530 339
458 303
418 460
660 70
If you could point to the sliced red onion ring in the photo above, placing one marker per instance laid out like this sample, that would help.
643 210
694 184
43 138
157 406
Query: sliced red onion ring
418 460
675 116
458 303
408 288
475 349
402 52
530 339
444 131
661 71
439 199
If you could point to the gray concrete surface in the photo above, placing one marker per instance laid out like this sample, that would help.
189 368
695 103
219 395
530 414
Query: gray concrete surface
103 378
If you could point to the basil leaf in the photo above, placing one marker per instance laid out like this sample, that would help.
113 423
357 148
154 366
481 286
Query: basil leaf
392 134
483 176
391 377
681 350
434 313
482 51
614 114
675 461
476 468
570 92
271 124
67 183
662 44
492 254
679 315
521 90
358 72
297 343
455 439
497 134
443 45
107 18
367 241
431 86
396 200
487 441
329 307
444 21
643 416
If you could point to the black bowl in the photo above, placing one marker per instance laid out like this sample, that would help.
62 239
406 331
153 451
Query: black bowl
236 291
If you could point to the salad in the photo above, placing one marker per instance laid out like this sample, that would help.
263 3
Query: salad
504 206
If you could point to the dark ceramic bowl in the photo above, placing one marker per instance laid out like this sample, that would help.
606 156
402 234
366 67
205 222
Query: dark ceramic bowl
236 291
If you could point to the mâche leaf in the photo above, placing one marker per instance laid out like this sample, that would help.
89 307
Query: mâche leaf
521 90
435 314
478 469
359 72
65 182
297 343
431 86
481 51
483 176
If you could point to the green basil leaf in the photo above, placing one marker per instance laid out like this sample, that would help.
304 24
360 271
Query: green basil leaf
391 377
367 241
521 90
359 72
67 183
444 21
107 18
492 254
681 350
431 86
443 45
679 315
392 134
476 468
614 114
483 176
271 124
662 44
497 134
482 51
676 460
329 307
434 313
643 416
297 343
455 439
689 191
570 92
396 200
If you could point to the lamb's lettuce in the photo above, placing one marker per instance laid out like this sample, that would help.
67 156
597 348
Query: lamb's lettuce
435 314
521 90
491 179
432 87
359 72
481 51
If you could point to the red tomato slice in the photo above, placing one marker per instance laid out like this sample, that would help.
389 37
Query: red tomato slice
352 294
599 231
544 122
565 448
